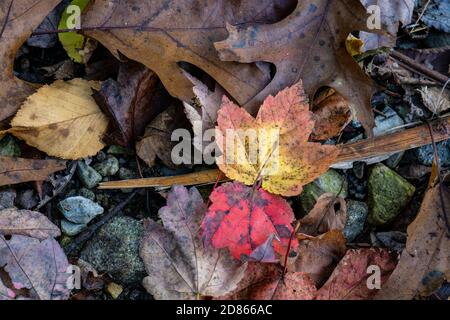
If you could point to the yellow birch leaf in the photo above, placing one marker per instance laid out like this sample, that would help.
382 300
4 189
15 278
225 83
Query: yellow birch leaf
62 119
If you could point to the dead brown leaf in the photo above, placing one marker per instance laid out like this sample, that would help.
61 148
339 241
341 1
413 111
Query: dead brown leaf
184 31
309 44
323 217
19 170
27 223
18 19
319 256
131 102
157 142
425 262
349 280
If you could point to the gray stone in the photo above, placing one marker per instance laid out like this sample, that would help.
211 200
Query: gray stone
393 240
7 199
356 217
117 150
425 155
115 250
108 167
88 176
79 209
9 147
389 194
71 229
387 123
126 174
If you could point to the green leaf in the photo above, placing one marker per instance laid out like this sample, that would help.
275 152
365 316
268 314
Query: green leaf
72 42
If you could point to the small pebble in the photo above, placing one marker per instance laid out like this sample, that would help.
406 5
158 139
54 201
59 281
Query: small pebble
88 176
79 210
71 229
7 199
9 147
114 290
108 167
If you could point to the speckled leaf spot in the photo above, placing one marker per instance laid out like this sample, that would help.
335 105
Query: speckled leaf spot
284 165
242 219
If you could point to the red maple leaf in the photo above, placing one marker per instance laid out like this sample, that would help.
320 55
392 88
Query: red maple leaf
242 219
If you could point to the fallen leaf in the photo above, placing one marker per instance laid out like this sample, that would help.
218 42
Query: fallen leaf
323 217
354 45
266 282
6 293
157 142
286 160
425 262
241 219
435 99
177 263
131 102
31 257
317 257
27 223
349 280
309 44
72 42
40 266
206 113
62 119
184 31
19 170
18 19
392 13
332 114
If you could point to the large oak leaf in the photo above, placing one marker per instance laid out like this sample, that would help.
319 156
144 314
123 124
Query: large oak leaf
309 44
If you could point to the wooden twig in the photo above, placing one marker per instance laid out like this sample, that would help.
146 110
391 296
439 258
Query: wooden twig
391 143
419 68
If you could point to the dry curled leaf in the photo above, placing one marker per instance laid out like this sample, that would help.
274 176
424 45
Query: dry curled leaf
241 219
425 262
349 280
392 13
332 115
18 19
19 170
266 282
27 223
62 119
323 217
286 161
184 32
157 141
177 263
131 101
309 44
317 257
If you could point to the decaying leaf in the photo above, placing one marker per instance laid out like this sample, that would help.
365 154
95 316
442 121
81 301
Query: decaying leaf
309 44
27 223
266 282
205 114
157 142
392 13
30 256
425 262
285 159
241 219
323 217
177 263
349 281
332 114
317 257
62 120
19 170
435 99
184 31
131 102
18 19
